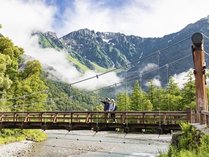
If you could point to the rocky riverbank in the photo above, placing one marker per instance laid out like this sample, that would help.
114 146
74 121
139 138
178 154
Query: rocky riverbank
89 144
102 144
17 149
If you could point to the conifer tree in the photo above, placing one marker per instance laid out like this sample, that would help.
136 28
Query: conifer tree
172 96
135 97
138 99
123 102
188 93
154 94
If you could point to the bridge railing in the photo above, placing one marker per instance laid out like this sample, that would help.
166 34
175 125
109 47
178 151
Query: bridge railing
153 117
204 118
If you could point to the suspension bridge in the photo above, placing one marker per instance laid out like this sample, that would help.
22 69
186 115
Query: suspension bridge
163 121
97 121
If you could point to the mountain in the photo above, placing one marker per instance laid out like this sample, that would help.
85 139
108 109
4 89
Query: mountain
106 50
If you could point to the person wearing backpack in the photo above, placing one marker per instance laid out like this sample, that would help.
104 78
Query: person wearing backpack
113 108
107 104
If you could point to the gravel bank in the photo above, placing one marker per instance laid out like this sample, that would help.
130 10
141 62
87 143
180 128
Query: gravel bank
102 144
88 144
17 149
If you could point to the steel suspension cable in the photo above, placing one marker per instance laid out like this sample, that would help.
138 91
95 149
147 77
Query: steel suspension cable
167 74
158 63
131 63
147 72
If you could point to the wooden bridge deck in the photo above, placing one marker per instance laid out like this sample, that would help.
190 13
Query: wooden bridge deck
129 121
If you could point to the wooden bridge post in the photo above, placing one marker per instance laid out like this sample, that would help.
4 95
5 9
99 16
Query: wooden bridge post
200 79
189 115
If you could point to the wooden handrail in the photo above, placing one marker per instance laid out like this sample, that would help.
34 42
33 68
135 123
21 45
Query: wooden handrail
86 117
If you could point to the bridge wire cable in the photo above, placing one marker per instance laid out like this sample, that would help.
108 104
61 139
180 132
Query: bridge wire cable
23 96
147 72
206 53
29 104
96 76
126 107
127 79
144 73
158 71
126 64
155 52
97 123
168 88
33 103
208 40
205 36
71 115
131 63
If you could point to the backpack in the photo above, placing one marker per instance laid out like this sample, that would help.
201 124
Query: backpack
115 108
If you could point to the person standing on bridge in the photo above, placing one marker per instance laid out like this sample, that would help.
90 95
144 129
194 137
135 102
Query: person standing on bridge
113 108
106 103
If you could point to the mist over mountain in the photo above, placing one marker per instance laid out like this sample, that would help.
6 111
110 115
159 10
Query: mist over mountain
100 51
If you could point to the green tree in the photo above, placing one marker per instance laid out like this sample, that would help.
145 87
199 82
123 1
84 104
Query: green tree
172 87
20 84
135 97
123 102
33 87
147 105
5 82
139 100
172 98
170 102
154 94
188 93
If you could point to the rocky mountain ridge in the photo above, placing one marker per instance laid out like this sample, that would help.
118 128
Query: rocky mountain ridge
110 50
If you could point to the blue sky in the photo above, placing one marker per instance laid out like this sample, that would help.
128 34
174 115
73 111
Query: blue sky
145 18
60 5
68 4
63 5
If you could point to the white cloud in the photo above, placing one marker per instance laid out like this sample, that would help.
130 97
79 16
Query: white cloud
156 82
181 78
20 18
50 57
149 67
138 17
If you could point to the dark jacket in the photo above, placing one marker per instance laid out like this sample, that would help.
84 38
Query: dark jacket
106 105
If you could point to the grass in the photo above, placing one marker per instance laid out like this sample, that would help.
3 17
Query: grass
76 62
99 68
84 68
14 135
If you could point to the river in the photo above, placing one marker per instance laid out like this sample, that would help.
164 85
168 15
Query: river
102 144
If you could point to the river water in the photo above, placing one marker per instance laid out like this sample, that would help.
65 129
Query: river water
101 144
